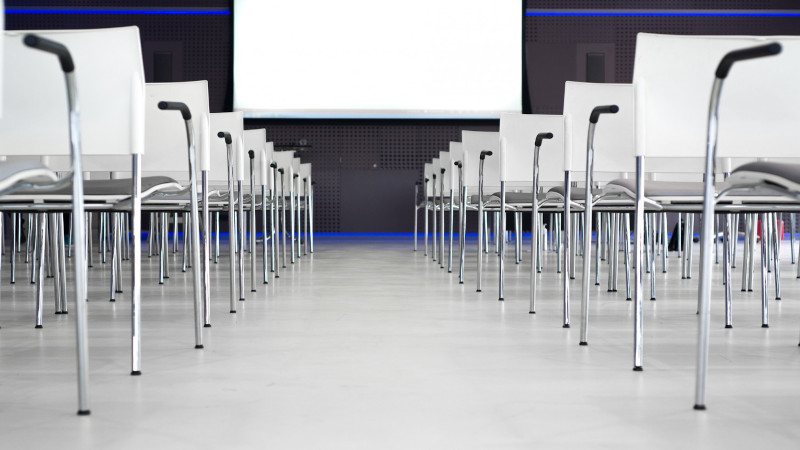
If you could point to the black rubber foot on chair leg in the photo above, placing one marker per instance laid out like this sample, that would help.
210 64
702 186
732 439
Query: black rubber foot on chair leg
252 290
136 373
277 276
534 312
638 368
652 299
241 299
764 325
118 292
749 290
199 346
500 299
160 282
460 282
699 407
584 344
777 298
233 311
59 312
208 325
566 325
13 282
628 299
728 326
744 290
478 290
596 284
38 326
112 300
84 412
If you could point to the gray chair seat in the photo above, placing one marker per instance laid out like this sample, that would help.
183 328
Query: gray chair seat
577 194
109 188
659 188
781 174
14 172
475 198
519 197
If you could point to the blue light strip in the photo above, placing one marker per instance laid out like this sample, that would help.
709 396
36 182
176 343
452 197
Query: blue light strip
138 11
661 13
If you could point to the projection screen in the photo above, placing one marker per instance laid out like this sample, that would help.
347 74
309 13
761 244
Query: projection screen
374 59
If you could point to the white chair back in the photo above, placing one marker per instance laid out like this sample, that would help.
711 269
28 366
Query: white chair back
285 160
473 143
456 154
231 122
165 132
518 133
256 140
429 176
673 76
613 139
110 84
446 163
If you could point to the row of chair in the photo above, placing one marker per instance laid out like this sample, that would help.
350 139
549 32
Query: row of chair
705 153
160 151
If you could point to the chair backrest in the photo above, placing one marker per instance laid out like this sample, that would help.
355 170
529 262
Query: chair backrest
613 139
231 122
518 133
305 174
428 174
673 76
446 163
473 143
255 140
284 160
165 132
456 154
110 84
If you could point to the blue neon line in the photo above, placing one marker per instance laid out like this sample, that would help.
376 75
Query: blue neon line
579 13
157 12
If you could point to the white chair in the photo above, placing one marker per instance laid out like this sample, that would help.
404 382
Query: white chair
108 73
673 118
479 146
522 166
228 152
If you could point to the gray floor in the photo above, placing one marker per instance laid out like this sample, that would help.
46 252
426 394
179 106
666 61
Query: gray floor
370 345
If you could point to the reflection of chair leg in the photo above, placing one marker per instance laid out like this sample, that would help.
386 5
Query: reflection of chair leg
462 234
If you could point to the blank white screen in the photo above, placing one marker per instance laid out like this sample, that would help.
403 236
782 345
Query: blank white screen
367 58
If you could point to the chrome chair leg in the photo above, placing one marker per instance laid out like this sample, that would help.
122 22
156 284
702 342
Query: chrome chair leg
15 230
776 254
764 276
502 238
450 245
462 234
638 273
114 253
726 257
652 257
39 260
567 250
241 235
266 239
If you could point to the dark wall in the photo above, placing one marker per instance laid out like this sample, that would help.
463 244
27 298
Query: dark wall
365 170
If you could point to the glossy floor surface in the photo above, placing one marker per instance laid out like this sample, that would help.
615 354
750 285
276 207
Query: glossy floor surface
369 345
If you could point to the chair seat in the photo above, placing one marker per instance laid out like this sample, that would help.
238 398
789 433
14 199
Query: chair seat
658 188
759 172
519 197
13 172
110 189
577 194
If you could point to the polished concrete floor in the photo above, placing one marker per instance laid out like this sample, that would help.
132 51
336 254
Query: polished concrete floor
369 345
